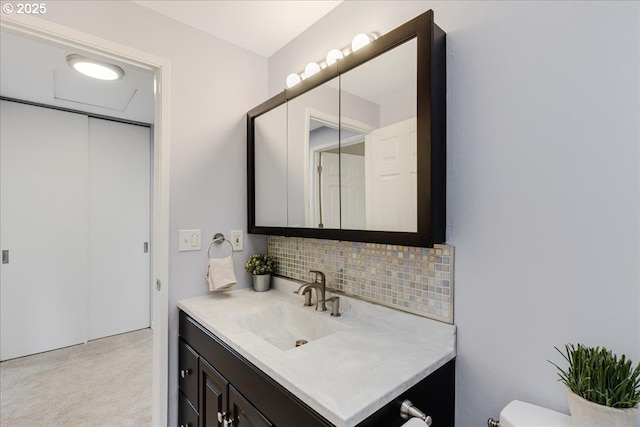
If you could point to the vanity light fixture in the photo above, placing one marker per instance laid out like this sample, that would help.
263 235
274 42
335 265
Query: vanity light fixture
94 68
333 56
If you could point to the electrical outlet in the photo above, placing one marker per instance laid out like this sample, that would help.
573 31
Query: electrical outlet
237 241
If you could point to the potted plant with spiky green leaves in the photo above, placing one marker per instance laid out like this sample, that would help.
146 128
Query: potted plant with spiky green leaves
603 390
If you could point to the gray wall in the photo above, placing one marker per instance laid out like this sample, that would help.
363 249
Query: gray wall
543 181
213 85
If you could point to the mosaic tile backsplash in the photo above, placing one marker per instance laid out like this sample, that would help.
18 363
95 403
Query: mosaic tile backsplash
416 280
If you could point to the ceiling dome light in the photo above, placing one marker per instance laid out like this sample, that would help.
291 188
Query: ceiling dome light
311 69
94 68
360 41
333 55
292 80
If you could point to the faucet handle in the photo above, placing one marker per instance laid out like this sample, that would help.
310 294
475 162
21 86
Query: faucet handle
319 274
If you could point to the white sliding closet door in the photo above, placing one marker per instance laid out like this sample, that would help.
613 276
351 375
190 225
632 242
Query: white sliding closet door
43 225
119 212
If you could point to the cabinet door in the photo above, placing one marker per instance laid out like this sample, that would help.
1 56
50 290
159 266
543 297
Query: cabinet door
213 395
188 372
187 415
243 413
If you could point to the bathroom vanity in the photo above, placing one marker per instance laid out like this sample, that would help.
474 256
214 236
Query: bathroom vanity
239 364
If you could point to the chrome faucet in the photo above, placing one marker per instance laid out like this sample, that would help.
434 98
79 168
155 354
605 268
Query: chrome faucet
319 285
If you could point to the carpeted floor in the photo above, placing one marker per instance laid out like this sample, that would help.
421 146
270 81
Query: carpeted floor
104 383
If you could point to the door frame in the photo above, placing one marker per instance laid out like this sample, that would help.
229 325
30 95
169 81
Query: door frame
44 30
312 155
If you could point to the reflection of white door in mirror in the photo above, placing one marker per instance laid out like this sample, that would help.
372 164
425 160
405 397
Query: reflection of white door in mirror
329 190
392 171
347 186
352 185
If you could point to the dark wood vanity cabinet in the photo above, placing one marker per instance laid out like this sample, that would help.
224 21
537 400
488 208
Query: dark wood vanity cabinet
218 384
206 398
226 383
245 414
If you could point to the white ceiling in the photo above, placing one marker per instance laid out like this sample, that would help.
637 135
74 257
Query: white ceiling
35 71
262 27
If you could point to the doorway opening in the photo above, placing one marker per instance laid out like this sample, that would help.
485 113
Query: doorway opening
55 34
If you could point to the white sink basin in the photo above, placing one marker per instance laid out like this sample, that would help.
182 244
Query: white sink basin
283 324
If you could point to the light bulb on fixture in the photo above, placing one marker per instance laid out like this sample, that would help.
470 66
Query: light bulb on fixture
94 68
292 80
360 41
311 69
333 55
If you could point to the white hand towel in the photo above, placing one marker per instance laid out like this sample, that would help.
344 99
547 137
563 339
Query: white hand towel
414 422
220 274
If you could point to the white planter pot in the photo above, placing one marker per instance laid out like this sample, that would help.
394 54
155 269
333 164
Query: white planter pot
589 414
261 282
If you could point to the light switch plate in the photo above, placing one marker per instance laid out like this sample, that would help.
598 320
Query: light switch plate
189 240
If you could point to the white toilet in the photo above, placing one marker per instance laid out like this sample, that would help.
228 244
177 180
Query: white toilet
522 414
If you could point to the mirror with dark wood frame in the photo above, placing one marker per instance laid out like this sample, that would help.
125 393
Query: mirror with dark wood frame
357 152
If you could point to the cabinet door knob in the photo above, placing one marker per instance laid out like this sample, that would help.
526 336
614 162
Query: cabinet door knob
184 373
221 416
185 425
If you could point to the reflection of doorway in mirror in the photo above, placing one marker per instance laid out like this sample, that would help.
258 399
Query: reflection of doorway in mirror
392 171
329 150
341 189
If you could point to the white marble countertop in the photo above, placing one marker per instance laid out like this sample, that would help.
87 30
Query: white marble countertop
372 354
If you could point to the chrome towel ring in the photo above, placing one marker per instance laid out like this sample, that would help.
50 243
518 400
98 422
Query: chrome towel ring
219 238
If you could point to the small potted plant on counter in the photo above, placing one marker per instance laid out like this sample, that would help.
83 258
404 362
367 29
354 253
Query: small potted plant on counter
261 267
602 389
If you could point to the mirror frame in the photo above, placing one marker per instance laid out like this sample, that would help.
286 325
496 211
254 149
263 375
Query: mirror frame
431 138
